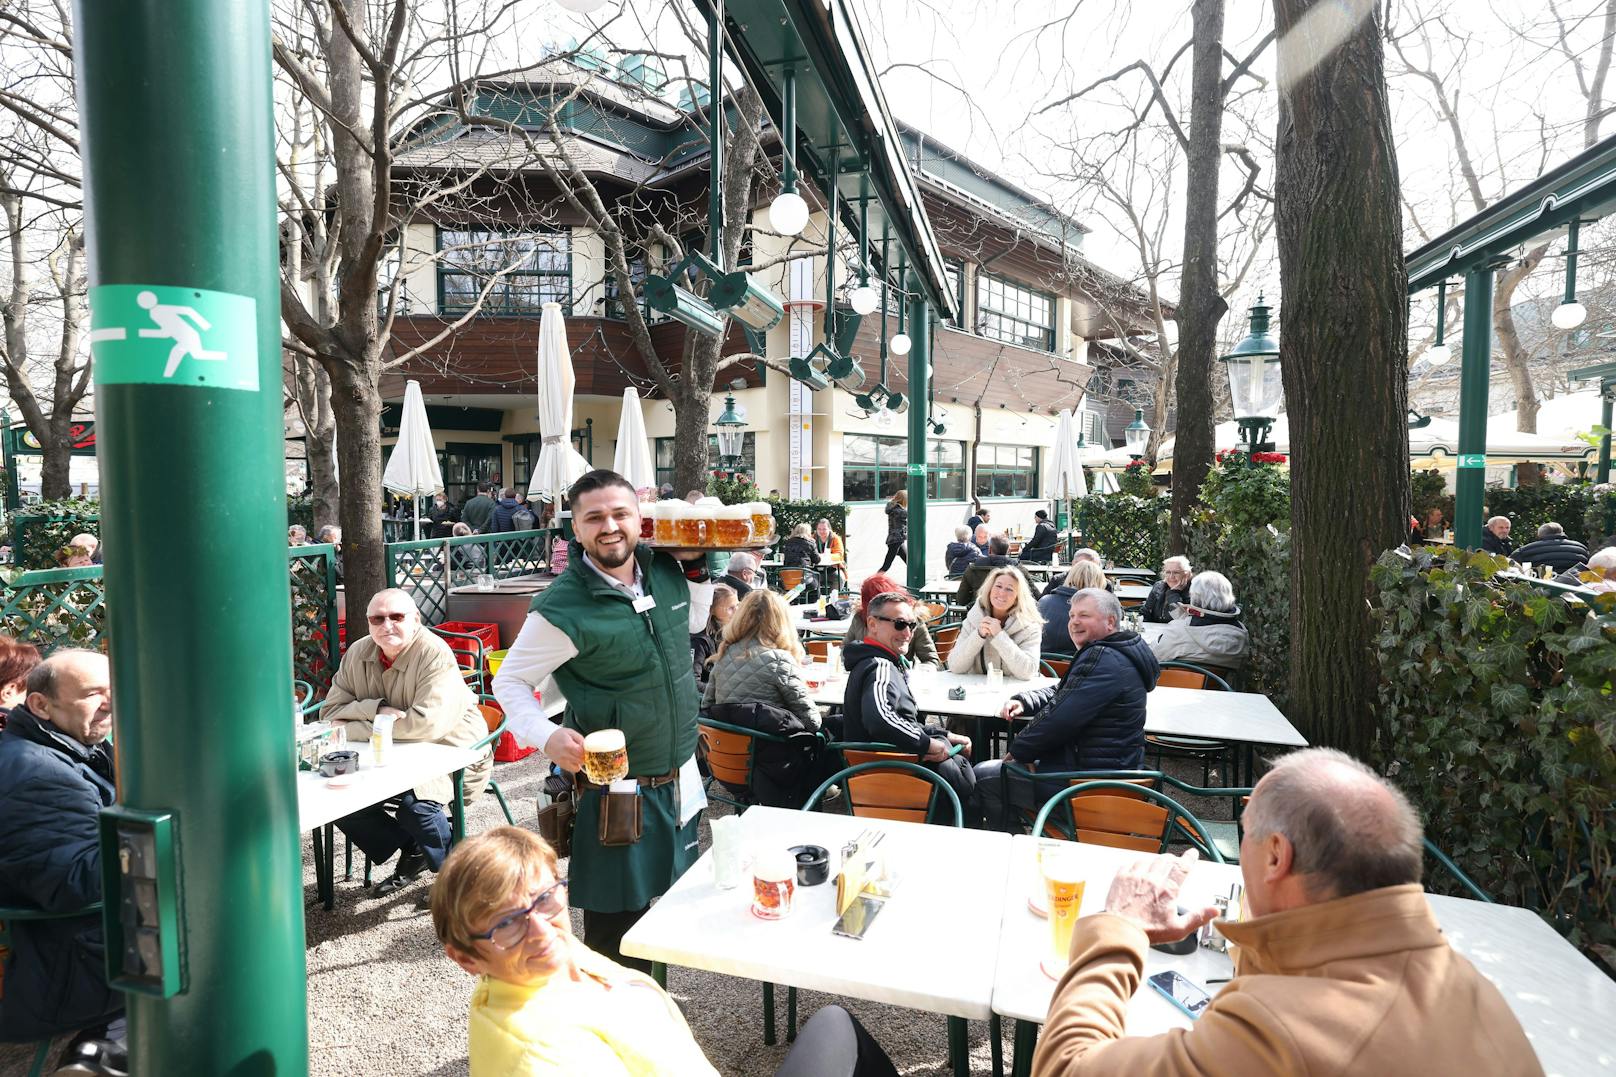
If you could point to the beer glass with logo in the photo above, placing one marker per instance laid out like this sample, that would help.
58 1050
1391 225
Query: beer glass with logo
1063 890
605 757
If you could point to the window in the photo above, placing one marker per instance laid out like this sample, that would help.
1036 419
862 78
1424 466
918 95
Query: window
1006 471
664 458
1013 312
875 467
614 304
525 455
464 465
954 272
538 269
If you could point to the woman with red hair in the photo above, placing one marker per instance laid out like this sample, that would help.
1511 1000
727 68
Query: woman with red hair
922 651
16 660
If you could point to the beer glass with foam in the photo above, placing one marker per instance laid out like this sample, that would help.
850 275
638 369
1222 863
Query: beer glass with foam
1063 889
605 756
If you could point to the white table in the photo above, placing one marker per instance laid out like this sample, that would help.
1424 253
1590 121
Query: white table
946 876
930 689
799 620
1131 592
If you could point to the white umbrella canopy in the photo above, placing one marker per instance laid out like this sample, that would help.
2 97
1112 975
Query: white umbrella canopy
559 464
632 460
413 466
1068 481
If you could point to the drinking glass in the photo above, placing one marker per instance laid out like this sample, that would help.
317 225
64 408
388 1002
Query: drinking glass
1063 890
485 581
774 884
727 852
995 676
605 756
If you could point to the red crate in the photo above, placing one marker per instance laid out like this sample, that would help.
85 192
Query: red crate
488 634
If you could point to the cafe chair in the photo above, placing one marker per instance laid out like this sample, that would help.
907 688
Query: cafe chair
303 693
1458 873
1225 834
790 577
1054 665
730 752
1125 815
470 654
943 637
496 721
889 789
1201 749
855 752
10 915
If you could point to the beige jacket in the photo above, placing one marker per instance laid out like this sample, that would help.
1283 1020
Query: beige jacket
1360 985
428 687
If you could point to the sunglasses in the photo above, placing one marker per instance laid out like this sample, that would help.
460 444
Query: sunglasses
511 930
383 618
901 624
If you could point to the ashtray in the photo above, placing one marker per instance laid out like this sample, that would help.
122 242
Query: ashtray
957 693
335 763
813 864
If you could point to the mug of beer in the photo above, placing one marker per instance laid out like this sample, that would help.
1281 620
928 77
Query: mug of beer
774 884
605 757
1063 891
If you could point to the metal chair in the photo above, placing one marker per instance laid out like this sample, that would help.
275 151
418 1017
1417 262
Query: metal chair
906 793
730 752
472 660
1125 814
496 720
1458 873
16 914
1202 749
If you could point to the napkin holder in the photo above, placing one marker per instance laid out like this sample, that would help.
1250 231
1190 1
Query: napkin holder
863 871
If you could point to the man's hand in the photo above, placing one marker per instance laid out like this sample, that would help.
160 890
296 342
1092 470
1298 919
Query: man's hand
1012 709
960 738
565 749
937 752
1146 892
389 712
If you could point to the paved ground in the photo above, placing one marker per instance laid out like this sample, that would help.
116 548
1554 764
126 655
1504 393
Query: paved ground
385 1002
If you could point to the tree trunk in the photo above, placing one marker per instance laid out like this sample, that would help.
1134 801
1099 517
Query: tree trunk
359 454
1201 306
1516 360
55 482
323 477
1339 229
690 440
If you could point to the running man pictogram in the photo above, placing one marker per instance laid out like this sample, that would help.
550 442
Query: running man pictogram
174 323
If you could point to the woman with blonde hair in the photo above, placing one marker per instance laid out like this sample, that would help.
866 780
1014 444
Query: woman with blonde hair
759 660
1003 628
1057 604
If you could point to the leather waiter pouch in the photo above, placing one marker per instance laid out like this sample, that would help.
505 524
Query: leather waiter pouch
621 822
555 822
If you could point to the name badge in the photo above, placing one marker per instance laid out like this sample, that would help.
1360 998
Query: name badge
645 602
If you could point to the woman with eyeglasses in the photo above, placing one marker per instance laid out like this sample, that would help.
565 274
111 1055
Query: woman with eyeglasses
1003 628
547 1004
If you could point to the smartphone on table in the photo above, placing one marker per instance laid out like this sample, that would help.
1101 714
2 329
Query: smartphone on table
1182 992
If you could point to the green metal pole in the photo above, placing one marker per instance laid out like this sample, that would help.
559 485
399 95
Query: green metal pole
919 360
715 106
8 460
178 148
1474 376
1605 417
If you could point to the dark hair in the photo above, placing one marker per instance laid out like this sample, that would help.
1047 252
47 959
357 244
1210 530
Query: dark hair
510 492
599 479
16 659
1041 514
484 487
999 545
1550 530
885 599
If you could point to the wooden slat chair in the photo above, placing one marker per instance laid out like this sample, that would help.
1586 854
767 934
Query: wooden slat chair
471 660
943 636
1201 749
1126 815
790 577
730 751
10 915
1224 834
1054 665
496 722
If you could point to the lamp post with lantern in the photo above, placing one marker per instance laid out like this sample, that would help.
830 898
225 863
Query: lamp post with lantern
1136 435
731 425
1255 387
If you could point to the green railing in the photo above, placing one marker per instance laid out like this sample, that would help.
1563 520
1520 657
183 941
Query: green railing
431 568
66 607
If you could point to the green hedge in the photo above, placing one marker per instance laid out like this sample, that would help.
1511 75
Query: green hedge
788 514
1127 530
1497 718
37 532
1579 507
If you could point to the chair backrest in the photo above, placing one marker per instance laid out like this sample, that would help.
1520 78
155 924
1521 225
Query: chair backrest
889 789
10 915
1126 815
728 750
789 578
819 648
943 637
1189 675
1054 665
492 715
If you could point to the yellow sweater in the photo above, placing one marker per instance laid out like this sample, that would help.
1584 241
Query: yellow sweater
614 1021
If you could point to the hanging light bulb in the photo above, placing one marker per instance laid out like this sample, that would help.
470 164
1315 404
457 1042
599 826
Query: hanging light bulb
864 299
582 7
1438 354
788 213
900 344
1568 315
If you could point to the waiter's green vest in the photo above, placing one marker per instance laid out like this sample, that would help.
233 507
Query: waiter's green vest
633 670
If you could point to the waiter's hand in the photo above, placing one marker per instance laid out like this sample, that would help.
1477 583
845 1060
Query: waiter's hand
565 749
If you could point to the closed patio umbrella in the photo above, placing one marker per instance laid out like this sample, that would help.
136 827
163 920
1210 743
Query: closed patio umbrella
413 466
632 460
559 464
1068 482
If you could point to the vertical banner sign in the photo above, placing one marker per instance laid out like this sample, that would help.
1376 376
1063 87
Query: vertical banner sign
800 408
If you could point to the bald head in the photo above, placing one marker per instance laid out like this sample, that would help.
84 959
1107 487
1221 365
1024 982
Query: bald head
72 690
1349 830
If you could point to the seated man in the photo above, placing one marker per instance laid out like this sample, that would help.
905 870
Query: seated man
56 774
1341 967
980 535
1495 536
1093 720
1173 589
1212 634
1041 546
878 706
1552 548
545 1003
959 554
410 675
741 573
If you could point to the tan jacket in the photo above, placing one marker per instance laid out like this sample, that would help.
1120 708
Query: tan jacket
428 687
1360 985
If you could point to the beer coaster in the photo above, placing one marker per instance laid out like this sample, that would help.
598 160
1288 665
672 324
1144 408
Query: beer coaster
341 781
1037 904
1053 967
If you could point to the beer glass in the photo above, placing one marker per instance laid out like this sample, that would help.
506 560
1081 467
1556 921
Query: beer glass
648 515
774 884
605 756
666 529
1063 890
687 526
762 522
734 526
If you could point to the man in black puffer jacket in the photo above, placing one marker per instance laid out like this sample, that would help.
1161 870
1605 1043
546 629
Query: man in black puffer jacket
878 706
1093 720
56 774
1552 548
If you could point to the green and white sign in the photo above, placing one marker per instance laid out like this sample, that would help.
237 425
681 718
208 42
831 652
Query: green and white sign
1472 459
917 469
149 334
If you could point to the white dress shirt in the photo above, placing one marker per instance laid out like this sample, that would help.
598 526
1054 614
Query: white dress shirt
541 648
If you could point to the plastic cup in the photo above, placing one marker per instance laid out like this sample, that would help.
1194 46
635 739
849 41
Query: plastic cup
727 852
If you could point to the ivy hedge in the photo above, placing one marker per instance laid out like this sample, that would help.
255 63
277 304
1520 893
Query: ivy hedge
1580 507
1497 716
38 531
1127 530
788 514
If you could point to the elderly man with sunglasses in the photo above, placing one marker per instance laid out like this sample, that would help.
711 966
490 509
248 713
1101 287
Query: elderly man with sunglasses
409 675
878 706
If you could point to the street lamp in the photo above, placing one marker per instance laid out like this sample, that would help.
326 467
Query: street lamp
731 435
1136 435
1255 387
1570 313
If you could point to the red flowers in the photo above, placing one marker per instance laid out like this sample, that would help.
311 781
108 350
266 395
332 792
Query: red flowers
1136 465
1268 458
1237 455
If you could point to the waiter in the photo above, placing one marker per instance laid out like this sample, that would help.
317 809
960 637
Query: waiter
614 630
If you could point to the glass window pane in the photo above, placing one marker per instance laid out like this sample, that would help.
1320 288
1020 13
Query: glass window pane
892 482
858 485
858 449
894 452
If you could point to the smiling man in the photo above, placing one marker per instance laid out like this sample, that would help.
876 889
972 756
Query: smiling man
614 631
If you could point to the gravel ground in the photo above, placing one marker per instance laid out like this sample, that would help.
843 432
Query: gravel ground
385 1001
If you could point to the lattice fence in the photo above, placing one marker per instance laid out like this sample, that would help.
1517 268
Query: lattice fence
431 568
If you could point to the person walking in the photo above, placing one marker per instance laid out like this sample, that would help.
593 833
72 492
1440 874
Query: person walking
614 631
897 529
476 512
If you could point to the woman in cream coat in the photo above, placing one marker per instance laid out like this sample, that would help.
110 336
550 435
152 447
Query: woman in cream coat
1003 627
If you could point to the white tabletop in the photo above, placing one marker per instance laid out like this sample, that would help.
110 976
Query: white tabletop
1246 717
930 689
800 621
1130 591
1021 989
319 802
928 950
